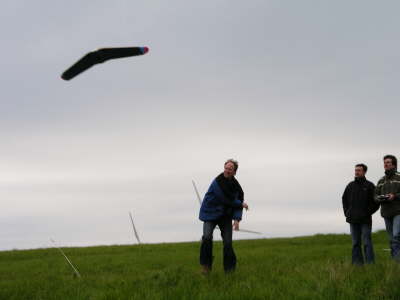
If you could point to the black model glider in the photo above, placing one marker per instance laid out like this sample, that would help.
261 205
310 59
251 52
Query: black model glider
100 56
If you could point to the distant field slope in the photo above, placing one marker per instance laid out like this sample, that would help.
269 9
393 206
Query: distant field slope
315 267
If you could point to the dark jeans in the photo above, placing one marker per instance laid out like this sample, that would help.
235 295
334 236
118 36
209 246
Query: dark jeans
362 233
393 230
206 258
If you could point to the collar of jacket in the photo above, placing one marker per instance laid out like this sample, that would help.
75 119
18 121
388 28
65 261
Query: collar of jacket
390 173
360 179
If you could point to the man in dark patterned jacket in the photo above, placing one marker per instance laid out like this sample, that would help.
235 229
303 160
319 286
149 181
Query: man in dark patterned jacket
387 193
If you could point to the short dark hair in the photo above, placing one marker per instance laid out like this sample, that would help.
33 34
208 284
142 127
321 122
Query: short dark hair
365 168
392 158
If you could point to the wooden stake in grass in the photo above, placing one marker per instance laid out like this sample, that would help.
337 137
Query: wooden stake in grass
70 263
134 229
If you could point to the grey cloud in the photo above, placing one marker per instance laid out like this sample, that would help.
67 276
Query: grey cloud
292 89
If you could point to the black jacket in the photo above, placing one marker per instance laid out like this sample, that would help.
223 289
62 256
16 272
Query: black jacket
232 191
358 201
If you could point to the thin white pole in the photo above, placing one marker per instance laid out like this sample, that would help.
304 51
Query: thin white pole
134 229
249 231
197 192
70 263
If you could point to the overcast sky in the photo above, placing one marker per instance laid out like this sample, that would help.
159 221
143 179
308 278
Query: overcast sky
297 91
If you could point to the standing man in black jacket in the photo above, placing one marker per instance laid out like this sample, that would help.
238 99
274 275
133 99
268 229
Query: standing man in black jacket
359 206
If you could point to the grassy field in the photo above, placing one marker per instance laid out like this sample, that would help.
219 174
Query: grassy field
315 267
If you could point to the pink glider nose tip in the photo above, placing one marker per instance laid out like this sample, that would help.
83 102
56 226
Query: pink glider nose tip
145 50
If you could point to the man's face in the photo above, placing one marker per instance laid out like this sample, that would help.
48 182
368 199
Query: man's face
359 172
229 170
388 164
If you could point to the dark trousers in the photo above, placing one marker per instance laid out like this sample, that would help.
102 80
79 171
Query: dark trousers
393 230
206 258
361 234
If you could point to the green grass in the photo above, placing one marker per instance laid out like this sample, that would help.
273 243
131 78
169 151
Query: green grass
315 267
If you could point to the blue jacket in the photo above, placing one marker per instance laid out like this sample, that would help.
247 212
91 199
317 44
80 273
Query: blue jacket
215 205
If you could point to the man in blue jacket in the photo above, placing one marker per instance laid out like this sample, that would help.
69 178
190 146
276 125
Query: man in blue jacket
223 202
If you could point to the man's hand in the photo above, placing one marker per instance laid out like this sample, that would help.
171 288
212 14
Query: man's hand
391 196
236 225
244 205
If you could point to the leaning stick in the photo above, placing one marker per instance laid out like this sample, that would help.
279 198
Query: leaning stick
70 263
134 229
197 192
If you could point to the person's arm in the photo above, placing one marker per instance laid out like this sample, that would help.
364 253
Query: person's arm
238 212
239 199
345 199
396 195
378 191
236 225
237 216
373 205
